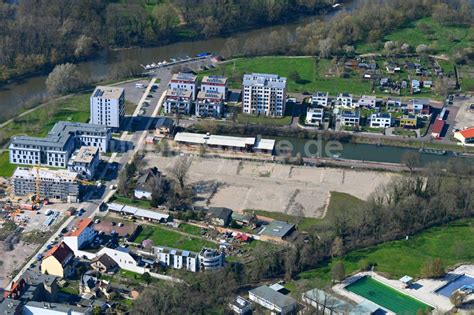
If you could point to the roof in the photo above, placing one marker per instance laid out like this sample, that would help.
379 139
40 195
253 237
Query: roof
467 133
263 79
277 287
61 252
320 94
220 212
108 228
276 228
178 93
85 155
10 306
438 126
331 302
210 94
216 79
44 173
350 114
80 226
105 260
406 279
240 302
148 179
183 76
164 122
366 307
273 297
108 92
145 213
264 144
37 308
381 115
34 278
198 138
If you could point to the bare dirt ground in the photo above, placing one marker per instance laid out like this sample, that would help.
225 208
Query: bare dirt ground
14 259
464 117
272 187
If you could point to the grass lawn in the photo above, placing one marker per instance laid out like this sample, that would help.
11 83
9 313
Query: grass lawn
442 39
386 296
6 169
131 202
263 120
312 74
404 132
39 122
190 229
451 243
165 237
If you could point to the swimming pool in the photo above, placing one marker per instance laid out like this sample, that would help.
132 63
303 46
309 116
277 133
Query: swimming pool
452 286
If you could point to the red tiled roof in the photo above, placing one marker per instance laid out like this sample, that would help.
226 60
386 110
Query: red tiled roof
80 226
438 126
467 133
61 252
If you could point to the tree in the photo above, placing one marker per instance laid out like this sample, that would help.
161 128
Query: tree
64 78
295 76
84 46
180 170
163 147
422 49
338 271
146 277
164 15
433 268
337 248
411 160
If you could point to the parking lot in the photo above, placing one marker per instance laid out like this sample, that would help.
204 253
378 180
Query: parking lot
465 116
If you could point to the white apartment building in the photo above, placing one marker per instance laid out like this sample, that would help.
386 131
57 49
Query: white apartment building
184 81
53 184
345 100
84 162
177 259
56 148
209 104
320 99
107 106
210 259
264 94
314 116
214 84
82 233
178 101
380 120
368 101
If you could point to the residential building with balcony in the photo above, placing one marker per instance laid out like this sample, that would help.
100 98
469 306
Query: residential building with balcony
264 94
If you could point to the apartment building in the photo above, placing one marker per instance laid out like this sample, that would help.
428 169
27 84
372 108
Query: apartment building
184 81
82 233
264 94
320 99
84 162
177 259
56 148
214 84
178 101
107 106
209 104
210 259
53 184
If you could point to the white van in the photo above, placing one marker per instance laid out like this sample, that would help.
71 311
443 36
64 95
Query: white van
139 85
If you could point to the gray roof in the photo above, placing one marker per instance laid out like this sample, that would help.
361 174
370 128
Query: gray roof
277 228
272 296
350 114
220 212
56 307
164 122
183 76
263 79
108 92
9 306
34 278
146 181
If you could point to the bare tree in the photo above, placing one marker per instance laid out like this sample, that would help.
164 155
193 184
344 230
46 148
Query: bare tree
411 160
180 169
64 78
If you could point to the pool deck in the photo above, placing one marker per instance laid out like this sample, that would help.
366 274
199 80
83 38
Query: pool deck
423 290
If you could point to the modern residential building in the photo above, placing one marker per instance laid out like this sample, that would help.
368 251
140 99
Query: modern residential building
82 234
345 100
59 185
314 116
210 259
184 81
178 101
320 99
164 127
56 148
272 300
177 259
368 101
147 182
264 94
349 118
58 261
381 120
214 84
394 105
219 216
409 121
209 104
240 306
84 162
466 136
107 106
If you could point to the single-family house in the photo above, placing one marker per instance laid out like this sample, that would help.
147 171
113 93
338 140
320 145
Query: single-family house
368 101
314 116
415 86
349 118
104 264
320 99
409 121
427 84
275 231
345 100
381 120
241 306
164 127
384 82
219 216
58 261
272 300
177 258
148 181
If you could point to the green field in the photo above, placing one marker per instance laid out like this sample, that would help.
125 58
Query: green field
450 242
6 169
190 229
311 70
442 39
386 296
166 237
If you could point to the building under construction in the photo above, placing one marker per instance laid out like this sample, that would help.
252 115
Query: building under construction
45 184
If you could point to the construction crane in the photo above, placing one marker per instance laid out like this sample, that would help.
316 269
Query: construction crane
38 183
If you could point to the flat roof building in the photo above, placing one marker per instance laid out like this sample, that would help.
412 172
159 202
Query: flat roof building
264 94
84 162
214 84
178 101
210 104
184 81
273 300
107 106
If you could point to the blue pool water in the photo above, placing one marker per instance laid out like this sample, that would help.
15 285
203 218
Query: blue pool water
452 286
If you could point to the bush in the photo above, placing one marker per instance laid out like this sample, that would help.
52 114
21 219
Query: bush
433 268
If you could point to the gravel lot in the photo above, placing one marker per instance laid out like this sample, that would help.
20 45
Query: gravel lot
464 117
272 187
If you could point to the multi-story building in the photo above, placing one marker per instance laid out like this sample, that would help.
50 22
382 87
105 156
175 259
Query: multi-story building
177 259
56 148
274 301
264 94
53 184
184 81
349 118
82 233
368 101
345 100
409 121
178 101
209 104
58 261
211 259
84 162
314 116
214 84
107 106
380 120
320 99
